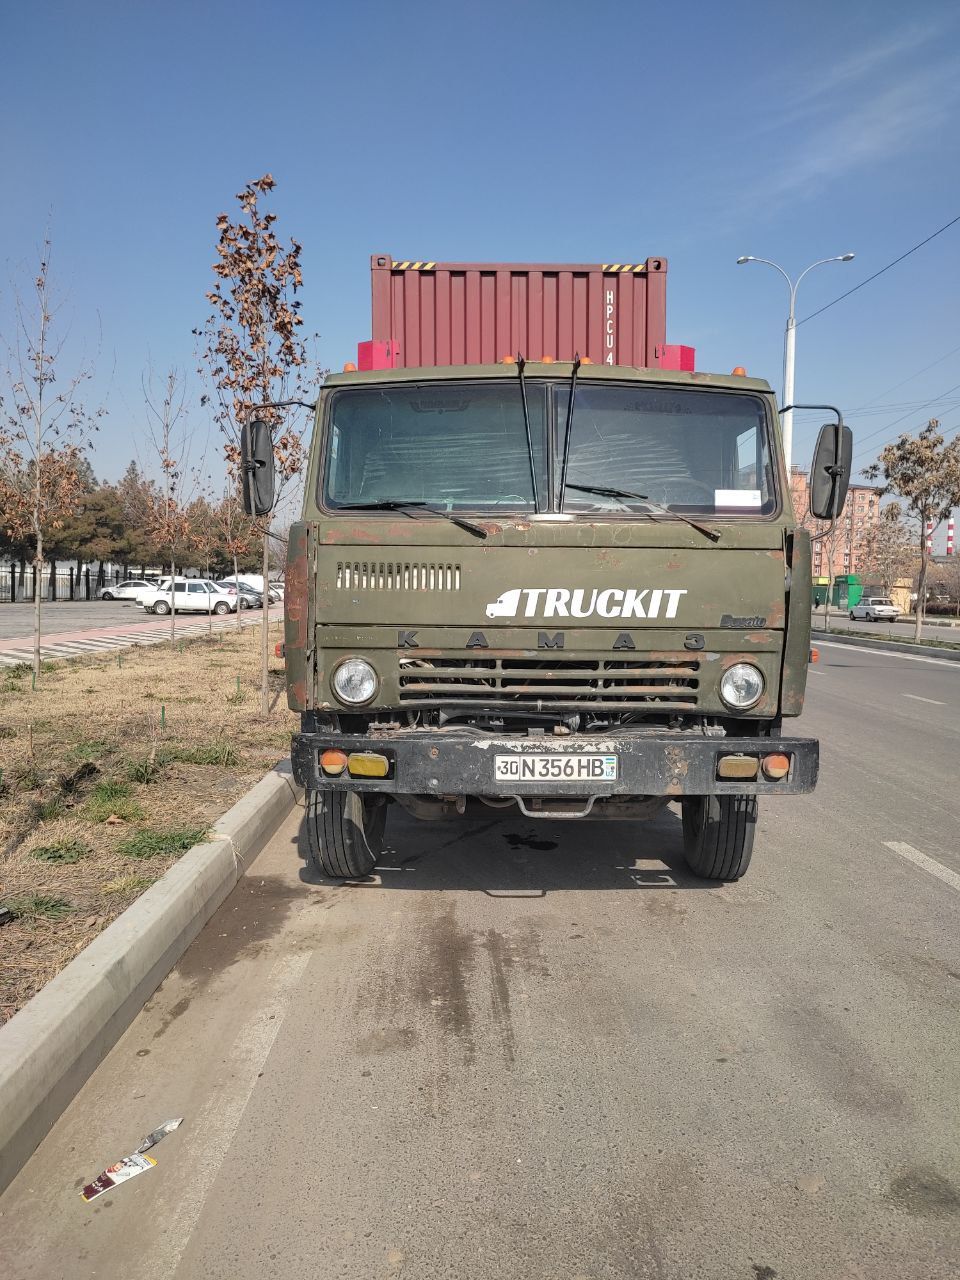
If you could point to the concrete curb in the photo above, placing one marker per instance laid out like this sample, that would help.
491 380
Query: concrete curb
54 1043
889 646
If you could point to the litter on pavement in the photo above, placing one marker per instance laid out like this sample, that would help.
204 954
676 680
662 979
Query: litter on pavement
131 1165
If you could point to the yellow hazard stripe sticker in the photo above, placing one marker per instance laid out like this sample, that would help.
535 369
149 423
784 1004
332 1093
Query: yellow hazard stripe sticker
414 266
634 267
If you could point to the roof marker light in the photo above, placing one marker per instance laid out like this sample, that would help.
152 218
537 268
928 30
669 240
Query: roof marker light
739 372
349 367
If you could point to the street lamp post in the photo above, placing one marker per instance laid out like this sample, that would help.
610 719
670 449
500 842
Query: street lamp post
789 344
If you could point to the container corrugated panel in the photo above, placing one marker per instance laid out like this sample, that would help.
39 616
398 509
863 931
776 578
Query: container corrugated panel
450 313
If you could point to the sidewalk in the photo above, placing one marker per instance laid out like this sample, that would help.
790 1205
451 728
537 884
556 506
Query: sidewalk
73 644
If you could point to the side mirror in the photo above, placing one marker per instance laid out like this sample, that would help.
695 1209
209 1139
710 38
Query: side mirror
830 471
257 466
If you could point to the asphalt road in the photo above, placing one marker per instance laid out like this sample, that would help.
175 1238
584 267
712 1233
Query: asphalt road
17 619
545 1051
888 630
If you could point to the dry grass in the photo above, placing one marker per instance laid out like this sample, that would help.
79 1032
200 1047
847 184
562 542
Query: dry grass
107 774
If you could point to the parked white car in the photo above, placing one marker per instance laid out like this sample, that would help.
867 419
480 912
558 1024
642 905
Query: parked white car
189 595
875 609
126 590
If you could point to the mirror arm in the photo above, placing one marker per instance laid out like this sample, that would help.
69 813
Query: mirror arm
280 404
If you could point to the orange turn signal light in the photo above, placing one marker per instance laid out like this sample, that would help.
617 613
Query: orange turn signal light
738 767
776 766
333 762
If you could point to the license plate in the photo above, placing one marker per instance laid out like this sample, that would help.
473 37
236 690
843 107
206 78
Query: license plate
555 768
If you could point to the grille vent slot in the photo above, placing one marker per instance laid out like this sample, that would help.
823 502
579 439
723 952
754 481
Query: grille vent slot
379 575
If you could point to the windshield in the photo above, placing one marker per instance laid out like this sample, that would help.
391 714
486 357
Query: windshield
697 451
463 447
458 446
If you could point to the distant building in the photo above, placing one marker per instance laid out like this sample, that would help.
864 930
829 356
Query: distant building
844 552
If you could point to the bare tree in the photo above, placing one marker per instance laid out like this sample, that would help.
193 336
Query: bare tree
252 351
925 471
236 531
44 430
888 552
166 516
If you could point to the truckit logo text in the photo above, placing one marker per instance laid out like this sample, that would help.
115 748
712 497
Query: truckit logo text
559 602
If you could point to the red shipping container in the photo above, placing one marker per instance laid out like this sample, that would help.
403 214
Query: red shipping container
451 313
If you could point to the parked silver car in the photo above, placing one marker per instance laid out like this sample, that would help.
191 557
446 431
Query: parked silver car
875 609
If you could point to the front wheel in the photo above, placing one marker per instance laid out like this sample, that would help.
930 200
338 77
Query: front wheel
107 595
344 832
718 835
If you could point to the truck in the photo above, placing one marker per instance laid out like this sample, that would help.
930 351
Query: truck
539 582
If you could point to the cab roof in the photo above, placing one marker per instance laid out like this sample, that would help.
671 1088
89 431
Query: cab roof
557 370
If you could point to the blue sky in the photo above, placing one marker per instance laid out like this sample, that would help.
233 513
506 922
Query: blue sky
547 131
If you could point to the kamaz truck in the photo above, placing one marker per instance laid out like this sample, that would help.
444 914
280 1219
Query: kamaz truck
549 588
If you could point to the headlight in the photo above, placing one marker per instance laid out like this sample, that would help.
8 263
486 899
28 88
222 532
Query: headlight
741 686
354 681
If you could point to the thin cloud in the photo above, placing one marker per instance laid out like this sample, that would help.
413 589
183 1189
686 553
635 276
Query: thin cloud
818 95
877 128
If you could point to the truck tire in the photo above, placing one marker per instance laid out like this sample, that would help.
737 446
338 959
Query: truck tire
718 835
344 832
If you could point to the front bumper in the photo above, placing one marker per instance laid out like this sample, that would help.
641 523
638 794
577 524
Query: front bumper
436 762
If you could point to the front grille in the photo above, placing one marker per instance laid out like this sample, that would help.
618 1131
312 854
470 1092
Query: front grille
615 684
373 575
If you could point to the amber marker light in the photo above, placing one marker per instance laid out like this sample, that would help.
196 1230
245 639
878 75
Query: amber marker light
739 372
367 764
349 367
814 655
738 767
776 766
333 762
509 360
546 359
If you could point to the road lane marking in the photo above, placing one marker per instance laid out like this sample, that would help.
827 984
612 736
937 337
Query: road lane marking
916 698
217 1122
886 653
926 864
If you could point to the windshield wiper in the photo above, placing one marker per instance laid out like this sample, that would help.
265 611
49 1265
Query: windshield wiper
521 363
566 433
608 492
411 509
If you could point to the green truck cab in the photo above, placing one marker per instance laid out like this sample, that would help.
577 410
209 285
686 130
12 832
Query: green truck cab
553 590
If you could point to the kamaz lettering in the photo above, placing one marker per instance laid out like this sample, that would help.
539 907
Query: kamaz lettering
559 602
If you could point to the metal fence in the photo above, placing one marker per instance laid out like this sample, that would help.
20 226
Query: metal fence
17 586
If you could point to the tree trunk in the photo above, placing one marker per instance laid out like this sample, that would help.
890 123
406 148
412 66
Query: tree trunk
264 626
173 602
236 580
38 562
921 583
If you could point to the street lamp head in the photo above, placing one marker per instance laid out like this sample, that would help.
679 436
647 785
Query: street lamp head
741 261
847 257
